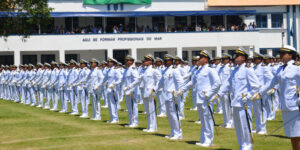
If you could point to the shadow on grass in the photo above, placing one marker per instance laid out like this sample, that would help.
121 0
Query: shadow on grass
278 136
158 134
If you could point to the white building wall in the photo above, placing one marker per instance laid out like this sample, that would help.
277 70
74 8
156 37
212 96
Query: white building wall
157 5
88 54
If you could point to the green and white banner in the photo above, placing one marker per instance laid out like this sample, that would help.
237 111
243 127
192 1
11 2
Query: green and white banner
105 2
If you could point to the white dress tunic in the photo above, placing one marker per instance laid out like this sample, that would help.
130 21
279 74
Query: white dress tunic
288 77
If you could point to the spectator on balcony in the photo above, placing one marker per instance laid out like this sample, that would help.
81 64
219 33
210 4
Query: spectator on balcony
250 26
61 30
115 29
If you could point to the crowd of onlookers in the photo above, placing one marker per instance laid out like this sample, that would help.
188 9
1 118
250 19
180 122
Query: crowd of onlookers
147 29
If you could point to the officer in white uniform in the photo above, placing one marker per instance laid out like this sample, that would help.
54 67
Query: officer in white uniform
30 88
52 93
139 67
224 73
61 84
181 98
81 87
112 78
70 86
217 66
94 83
242 83
149 77
288 78
104 87
269 102
162 107
264 75
38 76
42 83
14 74
207 83
170 82
22 83
131 75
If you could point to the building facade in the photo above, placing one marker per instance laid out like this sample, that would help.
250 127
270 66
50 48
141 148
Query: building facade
176 27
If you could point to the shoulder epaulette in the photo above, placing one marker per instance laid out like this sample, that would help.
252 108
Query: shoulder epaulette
263 65
297 64
174 67
133 67
154 67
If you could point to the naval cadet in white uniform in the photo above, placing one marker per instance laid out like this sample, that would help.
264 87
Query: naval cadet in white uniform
242 84
131 75
149 78
288 78
169 83
207 83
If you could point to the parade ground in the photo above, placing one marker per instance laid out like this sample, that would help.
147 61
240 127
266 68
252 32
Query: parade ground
31 128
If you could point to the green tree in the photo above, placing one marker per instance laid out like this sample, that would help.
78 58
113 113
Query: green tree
23 17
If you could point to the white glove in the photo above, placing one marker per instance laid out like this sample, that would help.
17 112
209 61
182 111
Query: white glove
96 87
180 92
271 91
256 96
244 100
175 94
111 86
126 88
215 98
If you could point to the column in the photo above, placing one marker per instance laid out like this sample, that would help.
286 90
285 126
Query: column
225 21
251 50
62 55
189 20
269 17
134 53
17 57
219 51
256 49
179 52
110 53
190 53
104 24
166 23
298 25
270 52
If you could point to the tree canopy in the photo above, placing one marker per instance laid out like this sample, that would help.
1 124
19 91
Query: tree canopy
24 17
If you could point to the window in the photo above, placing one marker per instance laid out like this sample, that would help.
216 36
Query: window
30 59
71 23
185 55
47 58
68 57
277 20
231 52
261 21
180 20
98 21
160 54
263 51
120 55
158 24
198 19
7 59
196 53
217 20
213 53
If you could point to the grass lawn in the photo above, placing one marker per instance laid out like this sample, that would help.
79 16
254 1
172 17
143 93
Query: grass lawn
26 127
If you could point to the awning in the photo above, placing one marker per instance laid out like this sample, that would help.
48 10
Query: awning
143 13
